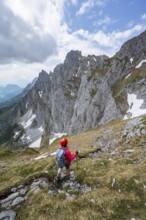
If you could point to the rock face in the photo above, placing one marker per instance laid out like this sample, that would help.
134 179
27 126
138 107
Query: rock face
79 94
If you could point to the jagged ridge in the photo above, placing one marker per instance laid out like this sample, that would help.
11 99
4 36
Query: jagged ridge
79 94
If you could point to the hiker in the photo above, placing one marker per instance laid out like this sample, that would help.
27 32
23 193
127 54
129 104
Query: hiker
64 157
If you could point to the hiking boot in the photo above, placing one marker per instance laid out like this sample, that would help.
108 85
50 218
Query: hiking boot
58 179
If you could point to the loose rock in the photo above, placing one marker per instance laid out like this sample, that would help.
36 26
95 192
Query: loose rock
10 197
18 201
10 214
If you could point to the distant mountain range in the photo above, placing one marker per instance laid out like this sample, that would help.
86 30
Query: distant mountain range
12 93
9 91
81 93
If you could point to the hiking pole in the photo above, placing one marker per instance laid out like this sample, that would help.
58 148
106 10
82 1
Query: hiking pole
77 159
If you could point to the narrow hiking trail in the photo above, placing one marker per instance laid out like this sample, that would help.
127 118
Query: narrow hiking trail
12 202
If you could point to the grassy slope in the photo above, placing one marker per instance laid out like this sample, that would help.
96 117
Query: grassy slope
125 200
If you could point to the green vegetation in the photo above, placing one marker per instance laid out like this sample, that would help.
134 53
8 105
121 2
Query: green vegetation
117 182
95 71
6 134
45 141
4 114
6 153
135 76
93 92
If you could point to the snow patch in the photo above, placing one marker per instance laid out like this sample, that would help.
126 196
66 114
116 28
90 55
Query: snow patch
28 119
140 64
129 151
36 144
72 94
79 69
134 107
26 124
26 105
55 136
52 154
88 63
16 134
113 182
40 94
41 156
128 75
45 155
94 59
41 129
131 59
28 138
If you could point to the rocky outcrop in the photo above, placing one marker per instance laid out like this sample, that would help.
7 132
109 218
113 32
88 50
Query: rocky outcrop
79 94
10 205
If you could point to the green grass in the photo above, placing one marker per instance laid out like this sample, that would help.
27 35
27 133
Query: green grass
136 75
95 71
5 114
123 200
6 153
93 92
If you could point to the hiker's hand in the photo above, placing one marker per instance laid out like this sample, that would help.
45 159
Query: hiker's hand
77 152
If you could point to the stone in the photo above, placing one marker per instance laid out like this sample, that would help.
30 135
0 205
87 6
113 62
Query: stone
36 183
70 197
2 166
18 201
10 197
62 175
23 191
20 186
44 184
129 151
50 192
61 191
66 184
85 189
143 131
10 215
35 189
6 205
92 200
13 190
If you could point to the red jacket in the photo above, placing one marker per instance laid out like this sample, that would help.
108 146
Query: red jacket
68 156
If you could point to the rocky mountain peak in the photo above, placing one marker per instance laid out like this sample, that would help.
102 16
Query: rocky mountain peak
81 93
134 48
73 56
43 75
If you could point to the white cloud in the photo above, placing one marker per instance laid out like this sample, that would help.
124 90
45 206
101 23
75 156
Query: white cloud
106 43
23 73
143 16
105 21
85 6
74 2
47 17
90 4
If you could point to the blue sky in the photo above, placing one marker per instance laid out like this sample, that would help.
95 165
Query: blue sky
111 15
38 34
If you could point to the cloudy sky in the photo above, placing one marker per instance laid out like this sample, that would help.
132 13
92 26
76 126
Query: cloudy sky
37 34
